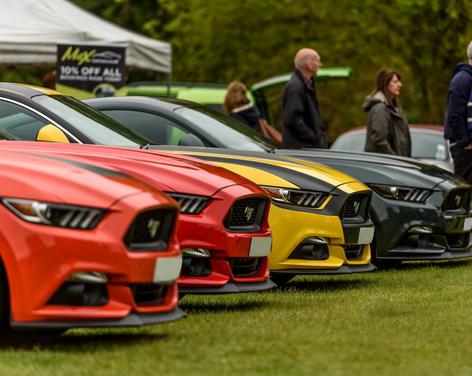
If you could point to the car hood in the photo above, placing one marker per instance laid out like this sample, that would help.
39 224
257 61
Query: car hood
165 171
28 175
378 169
304 175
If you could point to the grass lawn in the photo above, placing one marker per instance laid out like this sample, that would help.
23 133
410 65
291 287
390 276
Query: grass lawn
416 320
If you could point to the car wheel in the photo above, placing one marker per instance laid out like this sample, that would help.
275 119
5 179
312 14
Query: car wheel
281 279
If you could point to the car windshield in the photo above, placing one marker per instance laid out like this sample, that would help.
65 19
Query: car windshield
230 133
428 146
424 145
350 141
98 127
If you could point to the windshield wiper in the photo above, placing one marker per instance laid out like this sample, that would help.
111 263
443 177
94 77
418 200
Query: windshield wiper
145 146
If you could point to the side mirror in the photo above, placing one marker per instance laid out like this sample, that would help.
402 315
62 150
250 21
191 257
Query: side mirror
51 133
191 140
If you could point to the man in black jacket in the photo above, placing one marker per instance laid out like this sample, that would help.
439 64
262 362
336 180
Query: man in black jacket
302 124
458 123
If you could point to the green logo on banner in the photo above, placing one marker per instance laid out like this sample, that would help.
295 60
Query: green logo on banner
75 54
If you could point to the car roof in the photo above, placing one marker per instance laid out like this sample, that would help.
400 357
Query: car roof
413 127
141 101
26 90
323 74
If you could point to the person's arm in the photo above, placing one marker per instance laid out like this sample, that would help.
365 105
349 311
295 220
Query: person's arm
293 116
378 122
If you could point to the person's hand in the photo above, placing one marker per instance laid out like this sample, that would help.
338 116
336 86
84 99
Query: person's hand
468 147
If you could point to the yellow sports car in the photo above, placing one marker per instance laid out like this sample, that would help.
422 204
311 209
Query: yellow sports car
319 217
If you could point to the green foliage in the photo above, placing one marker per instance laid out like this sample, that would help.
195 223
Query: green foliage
249 40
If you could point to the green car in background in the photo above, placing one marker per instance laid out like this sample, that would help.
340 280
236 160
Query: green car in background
265 94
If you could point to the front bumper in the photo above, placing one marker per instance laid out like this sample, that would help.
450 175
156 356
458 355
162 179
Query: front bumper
446 236
39 260
207 231
291 228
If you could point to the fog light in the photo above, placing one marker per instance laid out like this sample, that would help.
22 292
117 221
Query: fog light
316 240
313 248
88 277
421 230
195 266
196 252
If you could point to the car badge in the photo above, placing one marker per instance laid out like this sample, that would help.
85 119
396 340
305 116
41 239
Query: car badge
248 211
153 227
457 199
356 206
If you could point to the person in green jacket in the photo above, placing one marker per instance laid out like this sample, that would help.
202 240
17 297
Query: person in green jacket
387 125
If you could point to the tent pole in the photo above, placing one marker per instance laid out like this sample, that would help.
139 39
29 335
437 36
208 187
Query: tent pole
169 83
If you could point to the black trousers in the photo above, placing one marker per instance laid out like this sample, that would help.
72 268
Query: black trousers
462 162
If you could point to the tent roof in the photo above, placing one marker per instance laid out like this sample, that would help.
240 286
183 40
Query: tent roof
31 29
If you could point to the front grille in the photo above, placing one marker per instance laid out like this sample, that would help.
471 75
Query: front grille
245 267
353 251
189 204
150 230
246 215
356 208
147 294
457 201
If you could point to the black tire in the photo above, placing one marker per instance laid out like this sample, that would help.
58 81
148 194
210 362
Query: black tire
281 279
4 299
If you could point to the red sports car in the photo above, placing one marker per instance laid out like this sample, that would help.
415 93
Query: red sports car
223 227
83 246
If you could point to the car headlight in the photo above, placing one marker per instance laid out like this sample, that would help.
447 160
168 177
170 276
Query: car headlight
189 204
45 213
410 194
296 197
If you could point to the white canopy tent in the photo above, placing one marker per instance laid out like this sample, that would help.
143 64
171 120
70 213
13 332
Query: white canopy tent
31 29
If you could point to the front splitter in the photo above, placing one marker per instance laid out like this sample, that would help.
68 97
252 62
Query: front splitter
132 320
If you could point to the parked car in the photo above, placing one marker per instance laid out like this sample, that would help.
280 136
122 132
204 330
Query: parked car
412 206
263 93
224 251
338 190
427 144
98 250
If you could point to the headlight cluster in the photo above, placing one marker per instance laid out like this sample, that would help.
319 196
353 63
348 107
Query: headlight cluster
410 194
189 204
76 217
297 197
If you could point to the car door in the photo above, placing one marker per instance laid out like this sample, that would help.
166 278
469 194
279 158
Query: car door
157 128
22 123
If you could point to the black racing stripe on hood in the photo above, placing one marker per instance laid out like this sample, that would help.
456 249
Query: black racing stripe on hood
301 180
92 168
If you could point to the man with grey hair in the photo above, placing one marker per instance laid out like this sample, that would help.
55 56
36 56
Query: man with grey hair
458 121
302 123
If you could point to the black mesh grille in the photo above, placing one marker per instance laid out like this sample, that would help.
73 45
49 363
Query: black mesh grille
356 208
457 201
245 267
246 215
150 230
148 294
353 251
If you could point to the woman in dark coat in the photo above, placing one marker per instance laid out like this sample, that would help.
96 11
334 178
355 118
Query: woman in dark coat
387 126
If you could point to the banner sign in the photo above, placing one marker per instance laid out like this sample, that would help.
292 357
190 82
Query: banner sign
96 69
